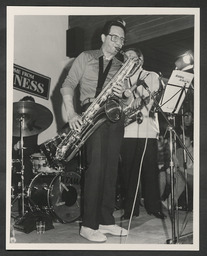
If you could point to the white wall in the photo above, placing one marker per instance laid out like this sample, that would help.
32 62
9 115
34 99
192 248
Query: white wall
40 45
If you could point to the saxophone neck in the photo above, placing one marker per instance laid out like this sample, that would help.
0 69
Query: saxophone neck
124 56
133 62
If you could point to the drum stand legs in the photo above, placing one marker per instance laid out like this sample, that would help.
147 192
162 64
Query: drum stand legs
21 196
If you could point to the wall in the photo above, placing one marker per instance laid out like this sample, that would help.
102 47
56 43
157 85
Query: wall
40 45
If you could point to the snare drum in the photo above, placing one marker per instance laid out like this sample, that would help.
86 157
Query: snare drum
58 194
49 148
39 163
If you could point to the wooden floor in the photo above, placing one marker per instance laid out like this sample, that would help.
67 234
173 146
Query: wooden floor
145 231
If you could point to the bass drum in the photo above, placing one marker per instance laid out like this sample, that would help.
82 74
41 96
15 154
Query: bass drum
59 194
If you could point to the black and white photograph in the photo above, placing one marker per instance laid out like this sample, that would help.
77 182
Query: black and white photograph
102 128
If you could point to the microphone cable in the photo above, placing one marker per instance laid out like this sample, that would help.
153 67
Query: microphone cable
137 187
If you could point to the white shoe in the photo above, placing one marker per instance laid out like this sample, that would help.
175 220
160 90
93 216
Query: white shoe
92 235
113 230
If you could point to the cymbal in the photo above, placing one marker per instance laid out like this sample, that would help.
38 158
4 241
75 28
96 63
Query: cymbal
35 118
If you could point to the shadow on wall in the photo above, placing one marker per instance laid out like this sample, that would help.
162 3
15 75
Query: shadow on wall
56 97
96 39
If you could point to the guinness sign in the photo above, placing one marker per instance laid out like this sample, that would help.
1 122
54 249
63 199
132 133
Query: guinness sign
31 82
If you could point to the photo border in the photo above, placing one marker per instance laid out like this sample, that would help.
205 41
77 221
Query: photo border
3 70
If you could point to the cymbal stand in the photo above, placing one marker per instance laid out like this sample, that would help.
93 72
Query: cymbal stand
22 194
22 161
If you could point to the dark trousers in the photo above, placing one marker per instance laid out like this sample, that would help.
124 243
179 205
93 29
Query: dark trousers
131 154
102 153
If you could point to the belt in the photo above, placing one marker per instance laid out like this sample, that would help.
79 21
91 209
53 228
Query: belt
86 101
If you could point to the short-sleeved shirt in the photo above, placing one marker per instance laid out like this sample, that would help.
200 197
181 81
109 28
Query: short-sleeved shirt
84 72
149 128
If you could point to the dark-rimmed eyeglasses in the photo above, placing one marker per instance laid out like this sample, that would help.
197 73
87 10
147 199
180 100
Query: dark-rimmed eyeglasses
115 38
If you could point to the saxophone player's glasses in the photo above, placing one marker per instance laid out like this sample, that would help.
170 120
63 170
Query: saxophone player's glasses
115 38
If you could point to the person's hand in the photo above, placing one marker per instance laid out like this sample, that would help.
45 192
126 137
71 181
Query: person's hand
118 90
136 103
75 122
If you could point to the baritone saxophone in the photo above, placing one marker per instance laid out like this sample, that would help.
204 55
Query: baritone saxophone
105 107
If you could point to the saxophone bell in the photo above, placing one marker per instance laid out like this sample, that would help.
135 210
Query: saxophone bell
113 109
137 62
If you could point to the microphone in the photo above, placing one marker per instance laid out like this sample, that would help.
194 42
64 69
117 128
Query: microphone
128 92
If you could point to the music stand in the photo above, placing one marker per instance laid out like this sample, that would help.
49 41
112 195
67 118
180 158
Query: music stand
170 103
175 91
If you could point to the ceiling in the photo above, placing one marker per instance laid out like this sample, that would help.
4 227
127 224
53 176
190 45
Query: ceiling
161 38
161 53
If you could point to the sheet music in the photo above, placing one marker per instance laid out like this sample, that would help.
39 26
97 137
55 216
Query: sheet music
175 91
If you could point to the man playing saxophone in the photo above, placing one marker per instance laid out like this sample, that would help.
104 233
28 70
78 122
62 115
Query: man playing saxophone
92 70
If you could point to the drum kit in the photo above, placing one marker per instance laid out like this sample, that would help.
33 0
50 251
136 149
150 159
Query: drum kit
52 189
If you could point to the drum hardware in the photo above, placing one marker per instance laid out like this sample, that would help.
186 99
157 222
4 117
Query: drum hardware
16 183
49 147
63 185
39 163
16 166
22 194
29 118
35 118
56 194
12 192
80 167
53 190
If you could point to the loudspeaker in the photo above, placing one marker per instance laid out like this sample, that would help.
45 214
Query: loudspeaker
74 41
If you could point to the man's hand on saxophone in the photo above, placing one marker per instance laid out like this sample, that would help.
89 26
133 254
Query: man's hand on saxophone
118 90
74 119
75 122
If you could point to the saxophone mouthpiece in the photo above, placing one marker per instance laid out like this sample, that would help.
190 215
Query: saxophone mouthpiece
123 54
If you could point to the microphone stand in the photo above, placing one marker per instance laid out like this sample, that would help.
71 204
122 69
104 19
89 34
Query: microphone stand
185 162
172 132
